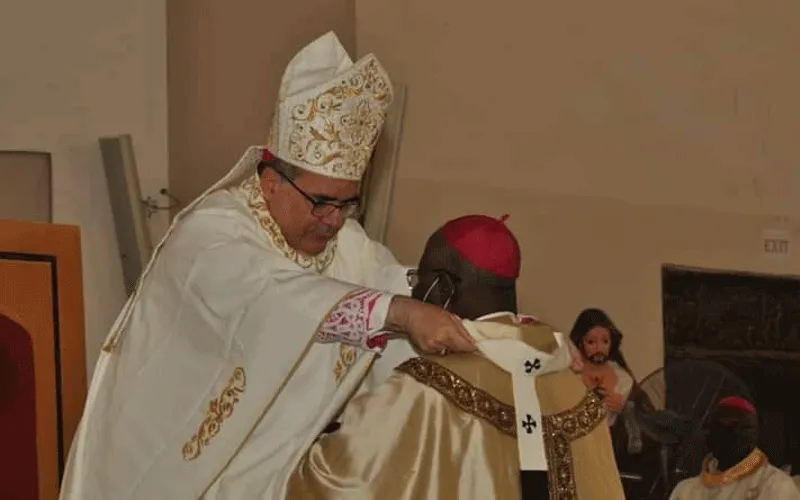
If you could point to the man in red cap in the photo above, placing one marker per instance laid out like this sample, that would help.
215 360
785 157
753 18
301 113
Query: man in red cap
510 421
736 469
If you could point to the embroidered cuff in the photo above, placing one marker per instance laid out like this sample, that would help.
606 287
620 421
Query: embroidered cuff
358 320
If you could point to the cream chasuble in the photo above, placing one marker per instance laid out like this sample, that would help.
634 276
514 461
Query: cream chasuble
210 374
445 428
754 478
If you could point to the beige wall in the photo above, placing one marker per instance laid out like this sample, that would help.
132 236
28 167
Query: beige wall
226 60
620 136
71 72
580 252
25 192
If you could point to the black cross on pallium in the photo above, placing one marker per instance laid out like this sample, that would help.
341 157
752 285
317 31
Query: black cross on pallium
529 367
529 423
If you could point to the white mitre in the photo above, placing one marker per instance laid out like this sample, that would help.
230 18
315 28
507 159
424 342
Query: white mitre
330 111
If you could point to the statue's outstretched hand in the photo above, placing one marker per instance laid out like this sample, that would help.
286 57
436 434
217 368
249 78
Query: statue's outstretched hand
613 402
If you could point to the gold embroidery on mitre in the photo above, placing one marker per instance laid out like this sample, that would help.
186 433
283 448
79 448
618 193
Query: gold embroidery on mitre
749 465
251 189
561 429
461 393
334 132
219 410
348 355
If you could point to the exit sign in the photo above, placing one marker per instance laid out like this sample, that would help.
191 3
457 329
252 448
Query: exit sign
777 243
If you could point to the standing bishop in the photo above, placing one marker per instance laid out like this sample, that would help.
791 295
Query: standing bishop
260 312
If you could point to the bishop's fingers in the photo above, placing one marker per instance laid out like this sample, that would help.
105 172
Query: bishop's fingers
463 330
459 339
464 333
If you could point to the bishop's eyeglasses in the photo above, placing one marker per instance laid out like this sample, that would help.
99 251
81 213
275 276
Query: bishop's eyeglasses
440 285
324 208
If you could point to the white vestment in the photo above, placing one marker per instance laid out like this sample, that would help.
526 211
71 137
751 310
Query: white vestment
763 482
211 377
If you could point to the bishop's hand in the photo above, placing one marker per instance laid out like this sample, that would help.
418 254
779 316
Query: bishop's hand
430 328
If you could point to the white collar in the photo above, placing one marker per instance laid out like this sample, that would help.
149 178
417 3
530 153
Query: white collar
494 315
250 191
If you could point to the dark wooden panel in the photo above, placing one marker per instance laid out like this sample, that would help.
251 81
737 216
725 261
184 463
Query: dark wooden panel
744 314
751 325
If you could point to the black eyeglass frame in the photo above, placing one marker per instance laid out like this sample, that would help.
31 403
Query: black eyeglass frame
320 208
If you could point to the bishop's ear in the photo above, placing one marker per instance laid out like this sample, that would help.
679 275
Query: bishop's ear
270 180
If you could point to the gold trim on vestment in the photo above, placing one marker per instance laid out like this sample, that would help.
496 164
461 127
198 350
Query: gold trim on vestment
751 463
251 188
269 404
219 410
348 355
560 429
356 387
461 393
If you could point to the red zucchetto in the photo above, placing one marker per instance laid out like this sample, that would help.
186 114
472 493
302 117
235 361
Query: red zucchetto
486 243
738 403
